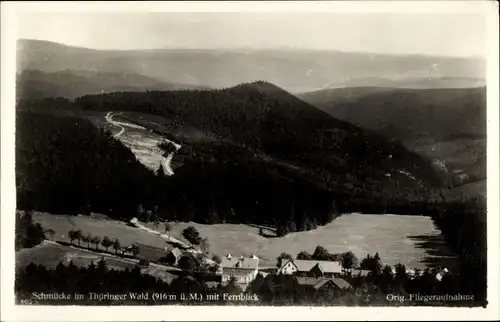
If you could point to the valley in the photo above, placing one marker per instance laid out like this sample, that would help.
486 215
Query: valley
445 125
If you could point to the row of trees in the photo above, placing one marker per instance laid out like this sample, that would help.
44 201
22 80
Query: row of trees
106 242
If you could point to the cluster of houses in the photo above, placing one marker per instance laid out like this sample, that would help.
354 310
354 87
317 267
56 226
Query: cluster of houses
308 273
314 274
319 275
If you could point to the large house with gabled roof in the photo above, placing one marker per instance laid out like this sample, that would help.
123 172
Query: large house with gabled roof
311 268
242 269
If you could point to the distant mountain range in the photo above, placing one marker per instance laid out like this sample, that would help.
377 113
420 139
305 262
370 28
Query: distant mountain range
293 70
411 82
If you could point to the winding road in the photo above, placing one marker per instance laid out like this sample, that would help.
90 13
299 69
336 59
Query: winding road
166 162
121 125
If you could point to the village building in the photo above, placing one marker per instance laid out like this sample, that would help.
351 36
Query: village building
243 269
173 255
311 268
323 284
150 253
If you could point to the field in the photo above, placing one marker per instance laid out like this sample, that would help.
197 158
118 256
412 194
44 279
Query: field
410 240
50 254
96 227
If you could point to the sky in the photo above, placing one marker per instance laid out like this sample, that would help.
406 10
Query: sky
452 34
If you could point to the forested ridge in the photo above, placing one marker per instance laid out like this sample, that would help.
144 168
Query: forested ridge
275 160
409 115
262 116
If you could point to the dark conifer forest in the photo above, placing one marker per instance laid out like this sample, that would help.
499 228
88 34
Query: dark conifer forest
275 160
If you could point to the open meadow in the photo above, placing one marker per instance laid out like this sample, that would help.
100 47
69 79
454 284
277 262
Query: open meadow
96 226
50 254
411 240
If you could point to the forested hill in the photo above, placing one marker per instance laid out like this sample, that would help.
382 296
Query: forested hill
264 117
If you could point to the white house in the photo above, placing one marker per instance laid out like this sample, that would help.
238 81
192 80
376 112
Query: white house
243 269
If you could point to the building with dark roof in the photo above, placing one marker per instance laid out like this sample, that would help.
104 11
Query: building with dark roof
336 283
311 268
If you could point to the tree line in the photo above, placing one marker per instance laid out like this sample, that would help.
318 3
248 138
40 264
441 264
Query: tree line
463 226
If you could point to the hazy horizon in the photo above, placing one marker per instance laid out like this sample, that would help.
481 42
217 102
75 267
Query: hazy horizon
450 35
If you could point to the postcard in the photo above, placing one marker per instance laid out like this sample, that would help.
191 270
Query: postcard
250 160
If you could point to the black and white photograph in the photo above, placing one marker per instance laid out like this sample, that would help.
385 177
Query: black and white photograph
195 155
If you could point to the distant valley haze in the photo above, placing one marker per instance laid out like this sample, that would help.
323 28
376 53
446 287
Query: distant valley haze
294 70
298 52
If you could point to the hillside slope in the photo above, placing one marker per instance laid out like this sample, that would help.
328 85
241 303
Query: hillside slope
294 70
266 118
446 125
34 84
407 114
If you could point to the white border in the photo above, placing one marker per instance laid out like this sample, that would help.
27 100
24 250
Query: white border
10 312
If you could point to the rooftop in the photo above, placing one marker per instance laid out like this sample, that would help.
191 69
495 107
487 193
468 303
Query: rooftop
317 283
240 262
306 265
236 272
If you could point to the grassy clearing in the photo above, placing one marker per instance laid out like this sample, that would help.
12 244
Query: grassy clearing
50 255
398 239
411 240
96 227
